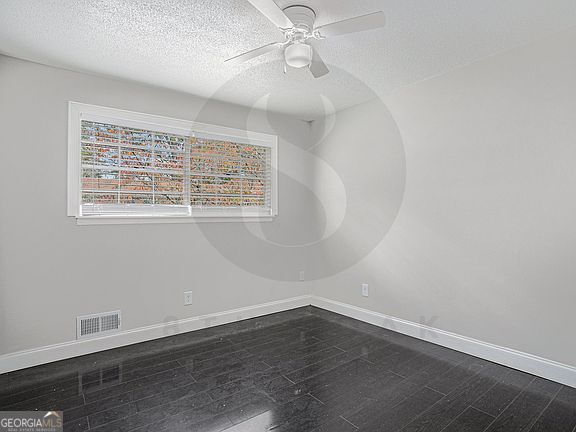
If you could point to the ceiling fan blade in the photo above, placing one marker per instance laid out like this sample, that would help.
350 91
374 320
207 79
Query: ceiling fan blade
271 11
352 25
317 65
254 53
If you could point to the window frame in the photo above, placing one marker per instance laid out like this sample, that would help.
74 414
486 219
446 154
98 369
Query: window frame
80 111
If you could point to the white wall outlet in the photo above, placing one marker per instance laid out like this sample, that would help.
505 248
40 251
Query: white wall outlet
301 275
365 290
187 298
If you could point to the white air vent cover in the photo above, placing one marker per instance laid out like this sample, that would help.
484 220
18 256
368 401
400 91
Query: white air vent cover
97 324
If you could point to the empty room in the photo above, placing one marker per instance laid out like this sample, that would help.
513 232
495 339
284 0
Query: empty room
287 215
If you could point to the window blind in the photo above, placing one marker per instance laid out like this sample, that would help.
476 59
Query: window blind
132 171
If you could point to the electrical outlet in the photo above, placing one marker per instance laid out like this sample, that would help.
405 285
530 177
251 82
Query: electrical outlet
365 290
187 298
301 275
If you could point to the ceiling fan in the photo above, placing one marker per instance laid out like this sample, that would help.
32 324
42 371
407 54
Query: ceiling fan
297 24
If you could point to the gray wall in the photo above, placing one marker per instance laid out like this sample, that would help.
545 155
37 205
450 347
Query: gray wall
52 270
454 199
484 243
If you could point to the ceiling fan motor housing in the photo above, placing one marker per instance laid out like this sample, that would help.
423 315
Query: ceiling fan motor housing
302 16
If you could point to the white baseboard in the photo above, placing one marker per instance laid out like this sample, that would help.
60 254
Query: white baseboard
23 359
529 363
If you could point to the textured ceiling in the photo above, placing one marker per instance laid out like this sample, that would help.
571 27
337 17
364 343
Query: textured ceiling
181 44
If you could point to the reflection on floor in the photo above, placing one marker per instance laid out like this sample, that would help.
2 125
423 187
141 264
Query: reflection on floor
301 370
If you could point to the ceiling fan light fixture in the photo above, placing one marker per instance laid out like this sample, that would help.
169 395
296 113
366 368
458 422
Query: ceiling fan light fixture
298 55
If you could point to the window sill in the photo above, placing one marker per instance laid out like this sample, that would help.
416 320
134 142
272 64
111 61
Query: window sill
129 220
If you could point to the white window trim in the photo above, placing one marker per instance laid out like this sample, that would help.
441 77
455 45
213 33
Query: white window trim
78 111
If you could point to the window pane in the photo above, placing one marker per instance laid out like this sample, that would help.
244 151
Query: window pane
164 160
168 199
215 165
100 133
170 142
253 187
253 201
136 198
136 137
99 198
101 155
132 158
253 152
99 179
141 168
253 168
231 201
238 174
136 181
169 182
218 185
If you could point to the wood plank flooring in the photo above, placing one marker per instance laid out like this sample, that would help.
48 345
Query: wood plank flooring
301 370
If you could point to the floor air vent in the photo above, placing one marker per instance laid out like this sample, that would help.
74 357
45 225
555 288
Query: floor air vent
97 324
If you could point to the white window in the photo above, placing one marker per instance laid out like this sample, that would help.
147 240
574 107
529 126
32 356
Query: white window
126 167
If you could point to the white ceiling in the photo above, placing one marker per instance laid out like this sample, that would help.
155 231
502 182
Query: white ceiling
181 44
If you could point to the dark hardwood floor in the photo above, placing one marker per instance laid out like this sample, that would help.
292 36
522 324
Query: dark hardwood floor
301 370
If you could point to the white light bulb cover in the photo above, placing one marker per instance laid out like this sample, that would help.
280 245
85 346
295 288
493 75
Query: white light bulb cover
298 55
